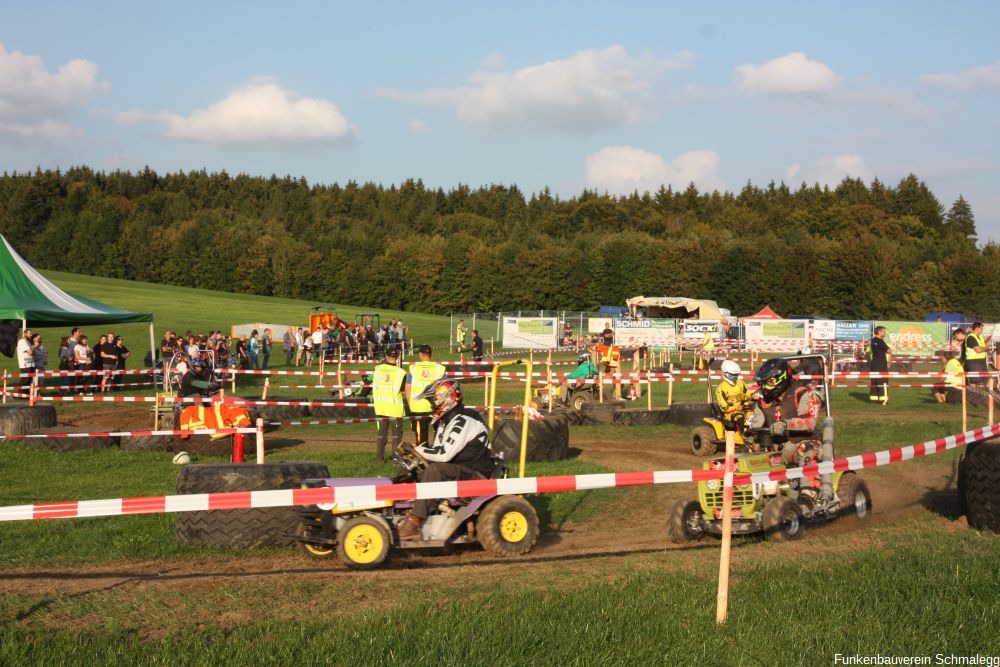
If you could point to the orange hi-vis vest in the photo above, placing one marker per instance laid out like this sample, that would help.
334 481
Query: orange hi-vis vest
219 415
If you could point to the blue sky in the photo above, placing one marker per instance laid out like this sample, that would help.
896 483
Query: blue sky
560 94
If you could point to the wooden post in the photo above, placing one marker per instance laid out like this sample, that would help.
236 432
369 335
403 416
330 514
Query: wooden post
267 383
637 385
156 412
322 364
231 370
649 391
722 600
548 379
670 387
486 390
260 440
600 387
989 389
965 412
491 345
5 386
340 378
708 384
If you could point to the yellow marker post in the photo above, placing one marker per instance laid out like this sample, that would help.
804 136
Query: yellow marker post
722 599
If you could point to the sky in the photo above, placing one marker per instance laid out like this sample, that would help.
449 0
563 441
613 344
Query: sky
566 95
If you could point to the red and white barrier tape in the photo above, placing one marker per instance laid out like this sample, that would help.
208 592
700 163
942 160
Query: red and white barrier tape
372 494
124 434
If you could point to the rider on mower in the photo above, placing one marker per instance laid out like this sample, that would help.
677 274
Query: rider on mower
459 451
733 397
788 406
584 370
198 381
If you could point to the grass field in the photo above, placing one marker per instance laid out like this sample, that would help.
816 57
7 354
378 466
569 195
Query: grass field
603 587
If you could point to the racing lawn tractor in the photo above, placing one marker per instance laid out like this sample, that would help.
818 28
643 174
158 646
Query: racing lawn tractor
780 509
572 396
362 535
706 440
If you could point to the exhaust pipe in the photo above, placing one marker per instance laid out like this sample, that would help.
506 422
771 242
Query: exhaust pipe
827 454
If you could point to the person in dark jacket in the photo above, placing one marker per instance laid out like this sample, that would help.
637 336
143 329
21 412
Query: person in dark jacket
459 451
879 356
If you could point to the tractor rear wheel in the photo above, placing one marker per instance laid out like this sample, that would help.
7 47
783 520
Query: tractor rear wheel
308 529
855 499
703 441
982 487
782 520
684 523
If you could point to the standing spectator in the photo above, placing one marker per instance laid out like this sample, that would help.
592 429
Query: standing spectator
307 350
317 342
879 358
460 336
121 353
191 348
957 344
422 374
265 346
387 396
299 341
166 346
477 346
288 344
401 335
976 351
241 360
25 361
74 340
222 351
38 354
107 357
81 358
253 349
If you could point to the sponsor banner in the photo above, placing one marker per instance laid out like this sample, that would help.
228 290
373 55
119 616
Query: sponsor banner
595 325
768 334
916 335
530 332
698 328
649 332
841 330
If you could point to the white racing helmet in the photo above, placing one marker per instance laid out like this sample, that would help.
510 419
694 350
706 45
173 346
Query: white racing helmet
731 371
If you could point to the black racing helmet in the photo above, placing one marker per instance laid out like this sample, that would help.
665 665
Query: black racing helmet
773 377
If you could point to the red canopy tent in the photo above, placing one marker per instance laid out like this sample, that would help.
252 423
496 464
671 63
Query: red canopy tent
765 314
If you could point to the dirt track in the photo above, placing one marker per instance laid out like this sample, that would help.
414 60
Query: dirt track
630 535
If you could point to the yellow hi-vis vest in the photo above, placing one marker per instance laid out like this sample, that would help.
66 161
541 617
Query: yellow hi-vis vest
709 343
977 341
955 373
387 391
422 374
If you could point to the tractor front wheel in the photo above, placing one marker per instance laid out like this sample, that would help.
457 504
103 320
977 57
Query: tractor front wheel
508 526
364 543
855 499
308 530
685 523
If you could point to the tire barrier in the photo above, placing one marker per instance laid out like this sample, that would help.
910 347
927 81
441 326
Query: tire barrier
60 441
349 408
21 419
979 486
208 501
641 416
258 527
548 439
689 414
275 408
595 412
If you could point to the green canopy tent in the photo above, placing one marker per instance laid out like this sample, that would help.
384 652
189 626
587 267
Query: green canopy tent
28 296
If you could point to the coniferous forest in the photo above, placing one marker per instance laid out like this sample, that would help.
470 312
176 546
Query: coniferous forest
858 250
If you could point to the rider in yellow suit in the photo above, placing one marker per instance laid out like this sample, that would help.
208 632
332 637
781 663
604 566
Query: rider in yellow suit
733 396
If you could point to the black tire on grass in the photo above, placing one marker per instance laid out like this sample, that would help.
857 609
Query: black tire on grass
23 419
148 443
69 444
982 487
548 439
783 521
689 414
277 413
703 441
641 416
271 526
601 413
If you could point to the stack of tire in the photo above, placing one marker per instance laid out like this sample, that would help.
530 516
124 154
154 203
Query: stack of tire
979 486
548 439
41 419
270 526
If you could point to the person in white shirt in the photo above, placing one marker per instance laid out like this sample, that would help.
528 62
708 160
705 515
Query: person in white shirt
299 339
25 360
317 341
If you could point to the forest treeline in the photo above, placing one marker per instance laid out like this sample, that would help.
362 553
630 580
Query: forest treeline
859 250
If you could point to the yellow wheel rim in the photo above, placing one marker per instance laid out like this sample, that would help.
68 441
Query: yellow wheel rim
513 526
317 550
363 544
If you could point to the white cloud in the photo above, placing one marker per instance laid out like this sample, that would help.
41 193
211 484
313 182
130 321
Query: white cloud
624 169
590 89
419 127
983 77
34 101
792 74
256 113
493 61
830 170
